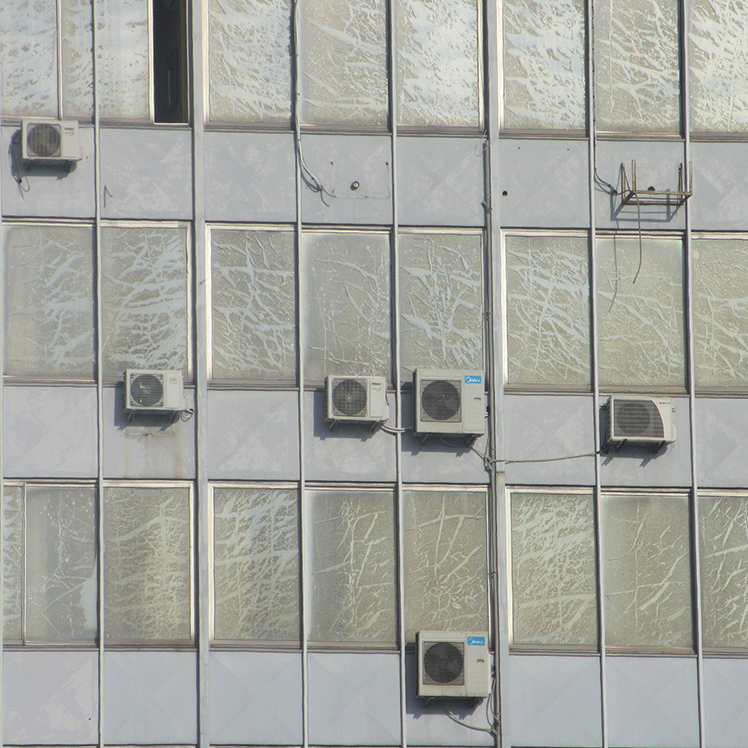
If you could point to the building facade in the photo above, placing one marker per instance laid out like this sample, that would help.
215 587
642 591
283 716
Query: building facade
547 199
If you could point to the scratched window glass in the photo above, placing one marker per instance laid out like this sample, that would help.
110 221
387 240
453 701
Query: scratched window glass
445 560
647 572
12 529
256 551
253 304
553 568
49 306
148 564
145 294
352 562
347 304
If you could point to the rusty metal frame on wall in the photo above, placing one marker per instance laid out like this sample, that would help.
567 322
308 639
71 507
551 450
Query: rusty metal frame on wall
650 196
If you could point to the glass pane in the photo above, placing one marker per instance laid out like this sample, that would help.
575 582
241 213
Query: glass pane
123 59
256 543
438 67
344 62
720 311
641 340
646 571
347 315
12 563
441 317
724 570
250 60
445 561
544 64
49 308
636 65
718 57
144 295
29 56
352 550
253 293
554 591
61 579
548 310
77 59
147 564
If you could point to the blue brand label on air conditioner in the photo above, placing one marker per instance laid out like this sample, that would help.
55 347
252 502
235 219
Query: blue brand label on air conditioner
477 641
473 379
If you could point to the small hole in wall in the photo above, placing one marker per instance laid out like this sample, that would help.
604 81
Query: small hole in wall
504 193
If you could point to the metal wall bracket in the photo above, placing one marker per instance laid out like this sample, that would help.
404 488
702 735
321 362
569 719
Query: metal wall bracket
631 194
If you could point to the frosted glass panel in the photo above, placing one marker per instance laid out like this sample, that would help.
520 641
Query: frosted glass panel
253 296
646 572
147 564
49 308
29 58
250 60
640 312
344 62
256 543
547 310
724 570
347 295
12 529
61 579
544 65
554 591
718 57
720 311
441 316
445 561
636 65
145 298
352 552
123 59
77 59
438 66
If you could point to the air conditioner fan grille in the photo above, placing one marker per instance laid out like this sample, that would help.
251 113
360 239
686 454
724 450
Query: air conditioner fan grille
443 663
637 418
44 140
147 390
440 400
349 397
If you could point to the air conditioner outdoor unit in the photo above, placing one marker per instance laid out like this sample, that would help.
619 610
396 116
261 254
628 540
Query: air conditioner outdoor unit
449 402
153 390
640 420
453 664
356 400
50 140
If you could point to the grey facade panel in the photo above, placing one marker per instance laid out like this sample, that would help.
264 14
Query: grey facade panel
720 201
725 685
721 442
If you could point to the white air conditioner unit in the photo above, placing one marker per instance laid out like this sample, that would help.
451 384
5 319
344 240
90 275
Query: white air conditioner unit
356 400
152 390
640 420
50 140
449 402
453 664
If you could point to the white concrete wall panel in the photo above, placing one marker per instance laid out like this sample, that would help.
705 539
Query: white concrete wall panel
250 177
255 698
356 174
545 184
146 173
354 699
725 715
50 698
49 432
150 698
554 701
50 191
543 427
652 702
440 181
253 435
147 445
721 442
720 201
